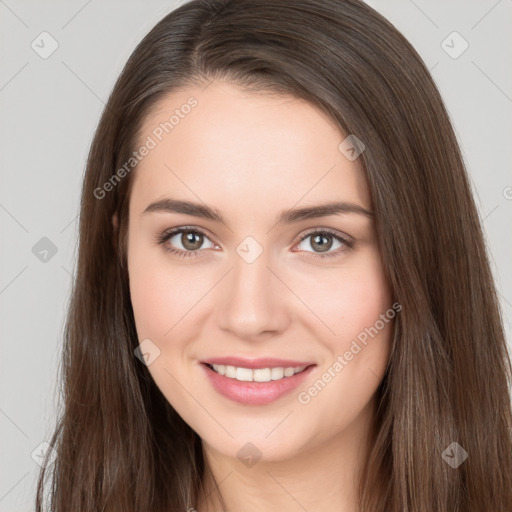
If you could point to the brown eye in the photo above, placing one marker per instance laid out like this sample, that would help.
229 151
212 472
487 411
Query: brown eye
184 241
321 242
191 240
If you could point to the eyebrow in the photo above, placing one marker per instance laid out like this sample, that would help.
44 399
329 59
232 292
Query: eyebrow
169 205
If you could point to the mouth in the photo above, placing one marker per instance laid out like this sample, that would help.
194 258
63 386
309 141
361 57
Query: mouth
268 374
255 382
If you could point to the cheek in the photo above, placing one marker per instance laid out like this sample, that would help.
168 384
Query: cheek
155 289
151 296
357 347
357 308
161 292
350 299
163 303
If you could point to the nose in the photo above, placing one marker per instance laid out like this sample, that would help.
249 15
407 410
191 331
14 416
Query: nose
254 301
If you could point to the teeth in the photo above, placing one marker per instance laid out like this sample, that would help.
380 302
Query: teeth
262 375
256 375
277 373
230 372
244 374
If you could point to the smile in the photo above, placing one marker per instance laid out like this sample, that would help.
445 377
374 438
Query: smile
255 386
256 375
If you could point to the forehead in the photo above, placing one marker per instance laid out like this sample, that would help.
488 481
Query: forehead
225 145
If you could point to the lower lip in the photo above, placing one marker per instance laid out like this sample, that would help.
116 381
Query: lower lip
255 393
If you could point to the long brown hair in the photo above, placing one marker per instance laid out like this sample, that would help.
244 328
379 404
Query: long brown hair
121 446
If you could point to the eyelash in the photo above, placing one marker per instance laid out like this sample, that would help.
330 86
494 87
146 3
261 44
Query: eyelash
166 235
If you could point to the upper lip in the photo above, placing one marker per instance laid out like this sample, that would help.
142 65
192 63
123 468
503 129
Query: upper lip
262 362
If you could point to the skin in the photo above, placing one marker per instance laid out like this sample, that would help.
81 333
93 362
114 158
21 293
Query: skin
252 155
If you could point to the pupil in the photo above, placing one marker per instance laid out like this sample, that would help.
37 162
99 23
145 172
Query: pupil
192 241
322 247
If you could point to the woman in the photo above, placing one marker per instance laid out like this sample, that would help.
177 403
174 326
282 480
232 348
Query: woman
283 297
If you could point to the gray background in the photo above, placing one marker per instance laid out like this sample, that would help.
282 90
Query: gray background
50 108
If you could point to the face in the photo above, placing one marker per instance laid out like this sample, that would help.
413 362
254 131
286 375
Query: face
253 277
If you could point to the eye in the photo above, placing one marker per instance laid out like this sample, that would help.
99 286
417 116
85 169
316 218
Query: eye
322 240
188 242
191 241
